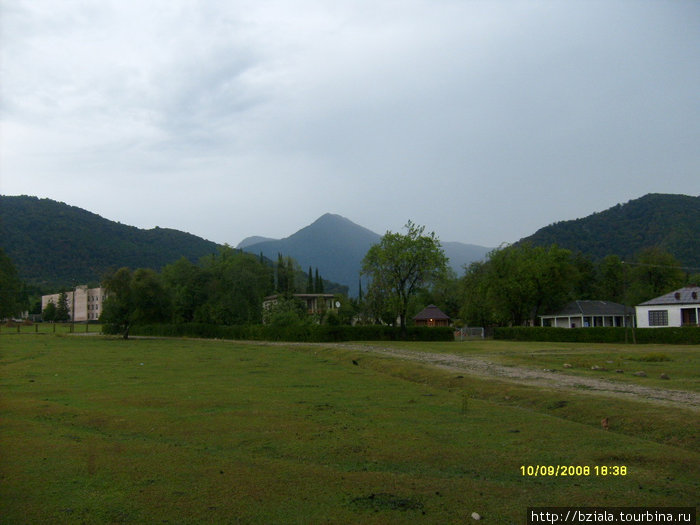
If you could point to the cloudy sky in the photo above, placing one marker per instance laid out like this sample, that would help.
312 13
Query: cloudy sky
482 119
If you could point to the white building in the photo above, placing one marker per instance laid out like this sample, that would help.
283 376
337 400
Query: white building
678 308
88 302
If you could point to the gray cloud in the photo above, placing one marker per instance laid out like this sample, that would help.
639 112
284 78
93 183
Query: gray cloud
483 120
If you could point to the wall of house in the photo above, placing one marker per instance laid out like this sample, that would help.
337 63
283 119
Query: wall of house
674 314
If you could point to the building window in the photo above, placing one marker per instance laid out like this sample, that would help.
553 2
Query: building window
658 317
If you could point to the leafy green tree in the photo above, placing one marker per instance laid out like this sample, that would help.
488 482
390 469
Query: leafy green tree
186 284
612 280
63 311
400 265
287 311
49 313
151 303
11 289
444 293
236 284
476 309
585 276
517 284
655 272
118 312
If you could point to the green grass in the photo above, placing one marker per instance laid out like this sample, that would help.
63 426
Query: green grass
98 430
681 363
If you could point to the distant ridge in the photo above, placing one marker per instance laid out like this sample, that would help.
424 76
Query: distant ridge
255 239
671 222
332 243
53 244
336 246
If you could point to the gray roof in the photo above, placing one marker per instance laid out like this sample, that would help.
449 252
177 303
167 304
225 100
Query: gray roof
576 308
687 295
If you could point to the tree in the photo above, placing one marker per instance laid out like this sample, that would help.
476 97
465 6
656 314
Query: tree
118 309
236 283
612 280
473 287
400 265
517 284
310 282
11 289
49 313
151 303
186 285
63 311
655 272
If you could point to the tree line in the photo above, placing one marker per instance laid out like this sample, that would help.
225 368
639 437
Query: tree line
403 273
225 288
520 282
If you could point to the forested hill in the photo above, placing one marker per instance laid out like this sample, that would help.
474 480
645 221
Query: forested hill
671 222
53 244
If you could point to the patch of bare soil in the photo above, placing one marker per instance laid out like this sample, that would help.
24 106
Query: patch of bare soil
479 366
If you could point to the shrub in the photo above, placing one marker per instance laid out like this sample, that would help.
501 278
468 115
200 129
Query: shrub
681 335
293 333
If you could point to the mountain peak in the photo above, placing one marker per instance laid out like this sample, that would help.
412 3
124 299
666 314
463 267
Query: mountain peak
332 218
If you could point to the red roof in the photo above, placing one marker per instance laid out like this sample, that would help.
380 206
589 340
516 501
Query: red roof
431 312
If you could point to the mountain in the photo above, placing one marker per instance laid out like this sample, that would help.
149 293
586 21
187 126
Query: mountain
671 222
253 240
461 254
333 244
54 245
336 246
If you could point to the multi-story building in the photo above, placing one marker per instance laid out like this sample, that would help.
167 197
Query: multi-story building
87 302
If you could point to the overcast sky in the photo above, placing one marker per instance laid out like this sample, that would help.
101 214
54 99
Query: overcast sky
482 120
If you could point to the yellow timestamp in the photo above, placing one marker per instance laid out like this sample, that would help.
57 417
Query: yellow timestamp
572 470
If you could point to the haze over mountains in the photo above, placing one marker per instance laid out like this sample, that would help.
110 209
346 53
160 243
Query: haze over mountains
336 246
53 244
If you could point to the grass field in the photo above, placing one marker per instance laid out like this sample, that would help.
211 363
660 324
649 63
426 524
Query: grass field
100 430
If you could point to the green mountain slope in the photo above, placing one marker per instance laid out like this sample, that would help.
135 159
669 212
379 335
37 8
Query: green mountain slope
671 222
53 244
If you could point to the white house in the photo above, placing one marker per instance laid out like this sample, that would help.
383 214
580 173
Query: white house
678 308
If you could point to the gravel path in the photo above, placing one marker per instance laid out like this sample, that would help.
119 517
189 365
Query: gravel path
479 366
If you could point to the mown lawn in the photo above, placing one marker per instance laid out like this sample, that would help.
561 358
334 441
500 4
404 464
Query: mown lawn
98 430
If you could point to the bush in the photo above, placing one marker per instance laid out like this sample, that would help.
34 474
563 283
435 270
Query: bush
683 335
293 333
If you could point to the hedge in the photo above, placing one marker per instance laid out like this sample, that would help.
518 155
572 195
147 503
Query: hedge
297 333
687 335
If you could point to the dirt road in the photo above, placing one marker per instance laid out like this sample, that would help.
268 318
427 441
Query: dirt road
482 367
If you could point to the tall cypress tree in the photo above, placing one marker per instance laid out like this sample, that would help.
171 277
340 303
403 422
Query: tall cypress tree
62 308
281 274
310 283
